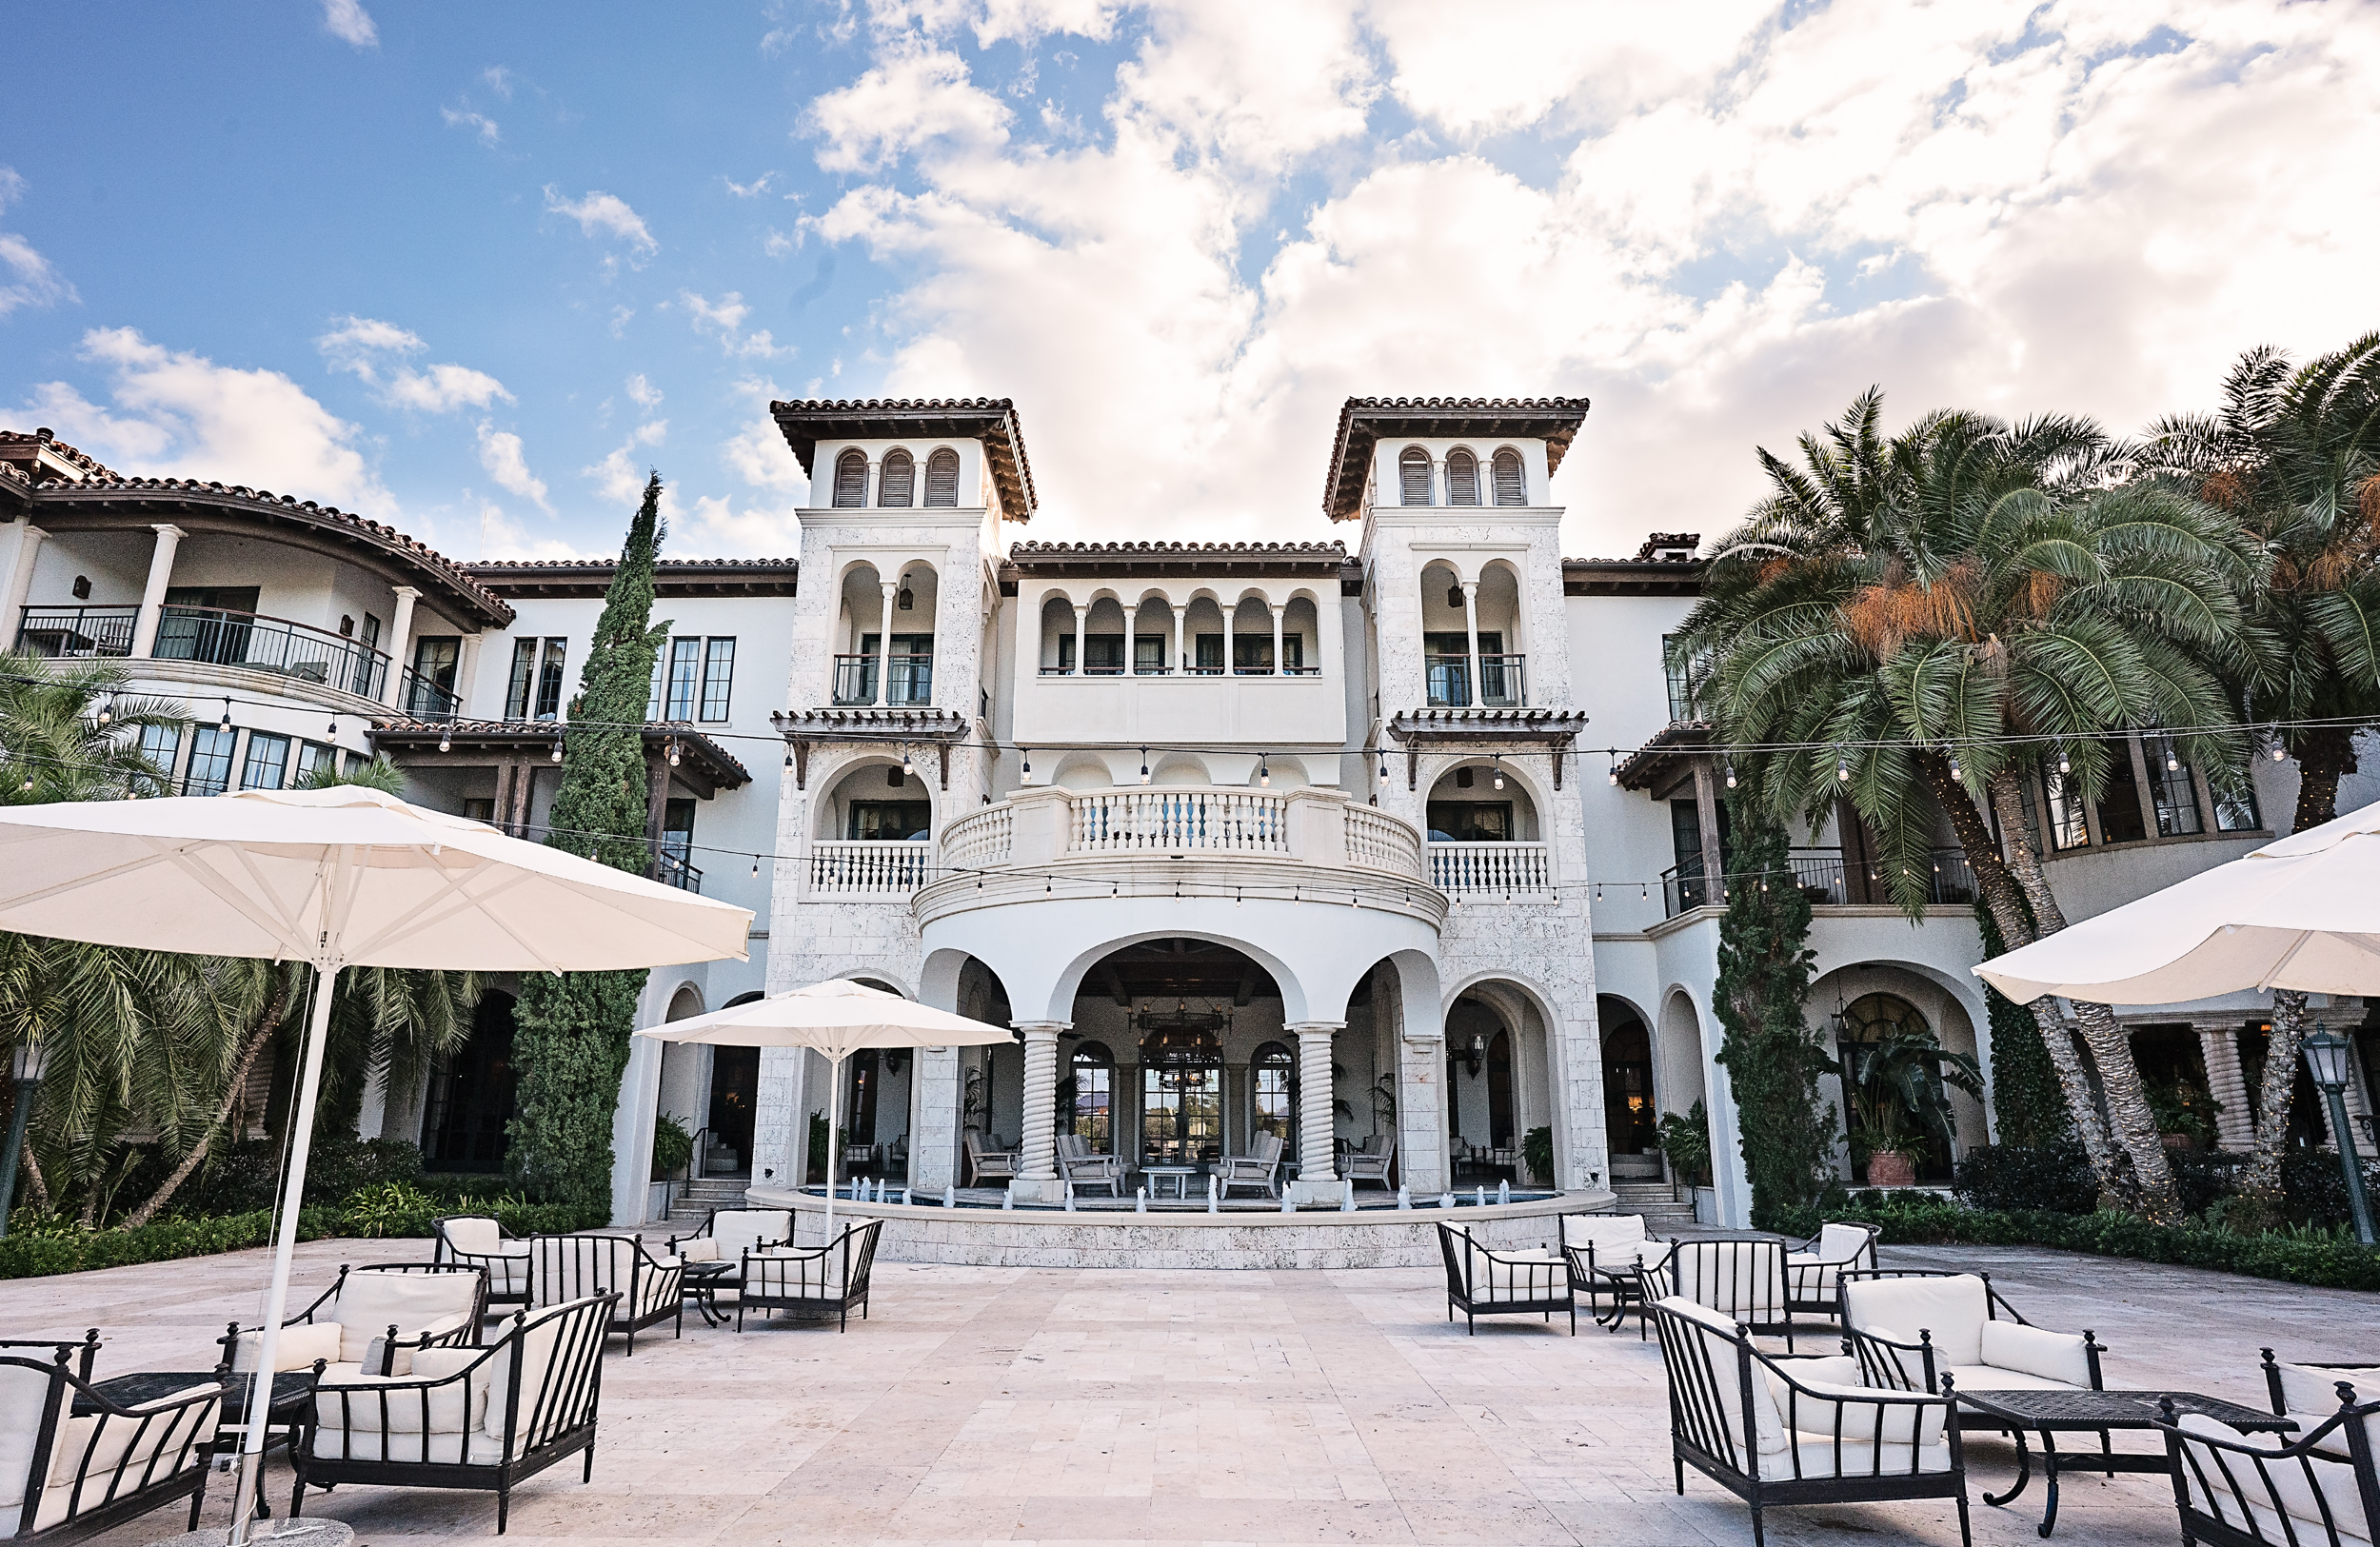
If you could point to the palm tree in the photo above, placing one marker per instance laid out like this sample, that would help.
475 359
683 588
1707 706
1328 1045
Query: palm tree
2294 456
1989 586
70 732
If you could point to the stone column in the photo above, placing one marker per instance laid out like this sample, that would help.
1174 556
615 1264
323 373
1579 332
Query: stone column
1441 492
884 638
1081 640
934 1138
1129 611
1036 1180
21 579
1281 667
1318 1174
1181 640
1231 622
399 631
465 670
2228 1085
153 596
1470 630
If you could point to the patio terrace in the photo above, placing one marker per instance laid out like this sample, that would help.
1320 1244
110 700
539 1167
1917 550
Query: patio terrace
993 1404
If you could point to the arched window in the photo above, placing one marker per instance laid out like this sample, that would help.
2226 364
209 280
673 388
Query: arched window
899 483
1462 478
1511 484
1413 476
1091 1107
941 478
1275 1108
851 480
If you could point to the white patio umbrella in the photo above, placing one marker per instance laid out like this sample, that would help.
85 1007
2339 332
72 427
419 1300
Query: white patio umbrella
836 1018
2302 912
342 877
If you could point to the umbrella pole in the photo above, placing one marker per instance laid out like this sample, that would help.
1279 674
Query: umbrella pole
834 1140
277 1298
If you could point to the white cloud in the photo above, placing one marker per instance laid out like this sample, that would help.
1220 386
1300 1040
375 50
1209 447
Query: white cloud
757 453
748 190
601 213
619 477
499 80
1719 231
478 124
779 245
713 528
32 281
500 536
500 453
176 414
643 392
371 351
724 320
347 21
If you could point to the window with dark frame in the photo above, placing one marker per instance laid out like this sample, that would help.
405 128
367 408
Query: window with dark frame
315 757
162 745
2173 791
686 677
550 680
267 765
718 676
1472 821
2237 813
2067 828
210 771
2120 820
885 822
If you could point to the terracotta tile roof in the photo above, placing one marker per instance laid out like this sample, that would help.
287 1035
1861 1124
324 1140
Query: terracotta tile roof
1363 420
89 465
1331 549
671 577
414 735
478 603
993 421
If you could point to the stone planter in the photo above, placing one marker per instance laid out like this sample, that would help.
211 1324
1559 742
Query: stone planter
2180 1144
1891 1168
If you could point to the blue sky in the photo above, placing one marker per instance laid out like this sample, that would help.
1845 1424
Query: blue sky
471 270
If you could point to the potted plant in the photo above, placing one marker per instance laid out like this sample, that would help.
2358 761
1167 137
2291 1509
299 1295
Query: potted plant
2185 1114
1899 1087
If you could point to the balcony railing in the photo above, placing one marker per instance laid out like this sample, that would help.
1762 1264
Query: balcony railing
1489 871
911 681
1041 826
883 869
77 631
220 637
1178 821
1501 684
421 699
1824 880
673 869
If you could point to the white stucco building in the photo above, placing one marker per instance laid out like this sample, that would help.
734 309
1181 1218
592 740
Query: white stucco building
1314 838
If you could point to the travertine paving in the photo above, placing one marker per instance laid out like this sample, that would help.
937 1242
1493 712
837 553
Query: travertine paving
995 1404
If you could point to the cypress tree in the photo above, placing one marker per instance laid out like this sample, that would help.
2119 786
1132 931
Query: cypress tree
1773 1061
570 1045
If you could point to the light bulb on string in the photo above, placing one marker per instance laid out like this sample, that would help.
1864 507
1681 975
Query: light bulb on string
673 751
224 726
2064 765
334 726
2173 763
1729 766
445 737
1383 767
1263 771
1612 774
2278 751
107 710
904 761
1842 769
1144 765
1500 770
1957 774
756 864
1028 764
556 749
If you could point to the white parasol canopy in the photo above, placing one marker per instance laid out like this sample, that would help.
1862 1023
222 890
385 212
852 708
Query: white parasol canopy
2301 913
836 1018
341 876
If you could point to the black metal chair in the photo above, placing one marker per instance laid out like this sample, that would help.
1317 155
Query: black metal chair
1812 1267
480 1241
95 1463
565 1269
1602 1252
815 1281
477 1419
1482 1282
1739 1277
2321 1488
2298 1390
1963 1329
1777 1432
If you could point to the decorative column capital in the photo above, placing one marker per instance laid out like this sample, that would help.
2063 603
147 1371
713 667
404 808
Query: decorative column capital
1040 1028
169 532
407 592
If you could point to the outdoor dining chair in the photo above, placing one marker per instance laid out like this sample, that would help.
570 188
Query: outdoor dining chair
479 1419
67 1474
1260 1168
2311 1392
2321 1489
1370 1160
986 1164
1910 1329
1079 1165
1741 1280
1778 1432
812 1281
483 1242
566 1269
1483 1282
1812 1267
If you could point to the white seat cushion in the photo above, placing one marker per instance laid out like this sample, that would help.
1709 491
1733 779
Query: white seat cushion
699 1250
1981 1378
1818 1455
1952 1307
2277 1488
372 1445
120 1442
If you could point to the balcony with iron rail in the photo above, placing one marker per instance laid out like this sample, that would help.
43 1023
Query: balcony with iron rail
210 636
910 680
1827 881
1501 681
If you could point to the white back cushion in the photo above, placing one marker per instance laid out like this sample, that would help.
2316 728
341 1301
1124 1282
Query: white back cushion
1716 1336
2313 1396
1841 1243
540 1343
740 1230
2288 1486
1952 1307
1602 1230
22 1394
1743 1280
2052 1355
297 1348
469 1233
414 1302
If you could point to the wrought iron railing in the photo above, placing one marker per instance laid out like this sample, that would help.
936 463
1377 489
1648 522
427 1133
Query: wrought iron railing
1501 680
1826 879
219 636
422 699
910 682
674 870
77 631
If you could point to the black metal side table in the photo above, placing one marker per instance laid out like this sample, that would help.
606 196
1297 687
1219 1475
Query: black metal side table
2049 1414
290 1409
704 1281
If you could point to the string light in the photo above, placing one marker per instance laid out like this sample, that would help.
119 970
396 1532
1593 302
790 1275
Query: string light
1842 769
673 751
1383 767
905 763
2173 763
1144 765
556 749
334 724
446 738
1263 771
225 727
756 864
2063 766
1729 765
1612 774
1029 766
1500 770
107 710
1955 775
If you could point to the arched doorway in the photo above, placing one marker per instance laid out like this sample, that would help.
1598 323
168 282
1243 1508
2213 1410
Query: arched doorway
1185 1037
735 1092
1880 1041
1480 1106
1630 1121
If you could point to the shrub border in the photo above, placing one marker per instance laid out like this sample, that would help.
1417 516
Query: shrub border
165 1240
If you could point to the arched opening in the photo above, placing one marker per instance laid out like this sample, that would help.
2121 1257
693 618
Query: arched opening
1679 1060
851 480
897 483
1481 1109
872 832
1182 1025
1480 801
863 665
1630 1123
1413 476
471 1094
991 1079
941 480
1462 477
1512 479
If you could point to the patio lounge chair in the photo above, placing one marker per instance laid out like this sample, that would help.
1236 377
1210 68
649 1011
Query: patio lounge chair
373 1317
1371 1160
1482 1282
989 1164
1740 1280
1779 1432
483 1242
1911 1329
724 1236
1260 1168
571 1268
2320 1490
2310 1393
1812 1268
812 1281
1077 1165
479 1419
1597 1246
64 1477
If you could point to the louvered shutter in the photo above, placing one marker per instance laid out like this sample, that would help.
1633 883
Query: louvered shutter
850 480
1413 470
1462 478
1511 488
899 480
941 478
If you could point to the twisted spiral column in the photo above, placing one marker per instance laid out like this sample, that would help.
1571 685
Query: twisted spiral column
1315 1163
1040 1161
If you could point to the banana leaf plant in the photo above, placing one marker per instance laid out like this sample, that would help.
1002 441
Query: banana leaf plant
1900 1085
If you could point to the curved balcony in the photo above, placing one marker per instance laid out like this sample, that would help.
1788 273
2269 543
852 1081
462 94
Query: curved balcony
1209 841
212 637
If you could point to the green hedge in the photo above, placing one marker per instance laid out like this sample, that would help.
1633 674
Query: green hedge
2302 1255
39 1246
